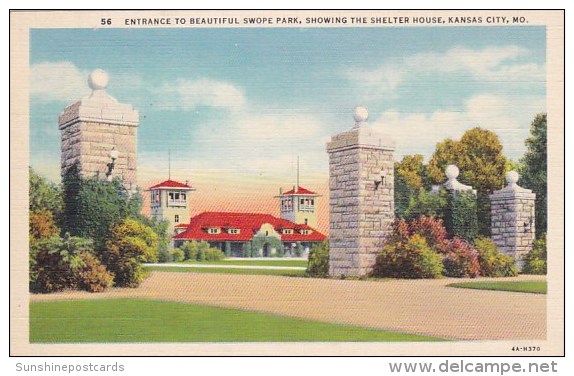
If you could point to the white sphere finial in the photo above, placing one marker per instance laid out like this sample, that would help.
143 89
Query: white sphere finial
512 177
451 172
361 114
98 79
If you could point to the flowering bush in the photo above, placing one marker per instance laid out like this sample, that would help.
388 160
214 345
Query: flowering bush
430 228
405 254
460 259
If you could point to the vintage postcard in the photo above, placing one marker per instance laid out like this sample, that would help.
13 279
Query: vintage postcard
287 183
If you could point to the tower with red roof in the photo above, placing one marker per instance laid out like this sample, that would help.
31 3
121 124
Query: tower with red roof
169 200
298 205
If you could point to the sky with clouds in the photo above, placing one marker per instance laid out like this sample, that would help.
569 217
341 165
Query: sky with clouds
242 103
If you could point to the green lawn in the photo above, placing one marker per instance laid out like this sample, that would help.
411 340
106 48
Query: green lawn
290 273
132 320
251 262
534 287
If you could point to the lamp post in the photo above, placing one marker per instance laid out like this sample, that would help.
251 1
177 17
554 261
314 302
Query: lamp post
114 154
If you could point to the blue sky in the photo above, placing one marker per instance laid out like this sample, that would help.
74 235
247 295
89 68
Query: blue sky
238 102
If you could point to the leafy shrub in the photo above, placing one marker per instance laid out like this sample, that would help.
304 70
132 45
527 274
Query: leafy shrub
190 250
460 259
163 255
318 265
130 244
53 261
214 254
492 262
92 275
201 254
535 261
201 251
410 259
177 255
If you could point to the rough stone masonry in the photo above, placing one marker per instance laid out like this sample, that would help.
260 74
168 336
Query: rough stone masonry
512 220
361 198
93 127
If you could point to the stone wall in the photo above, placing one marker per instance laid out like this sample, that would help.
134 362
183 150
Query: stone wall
512 210
361 210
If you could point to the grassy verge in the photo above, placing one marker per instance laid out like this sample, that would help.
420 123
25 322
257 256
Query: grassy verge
248 262
533 287
133 320
289 273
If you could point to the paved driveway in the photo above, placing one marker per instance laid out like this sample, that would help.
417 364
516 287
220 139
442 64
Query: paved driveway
413 306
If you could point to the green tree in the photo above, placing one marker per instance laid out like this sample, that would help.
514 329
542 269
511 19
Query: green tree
45 207
93 206
410 180
427 204
163 238
42 225
44 195
533 171
478 155
131 243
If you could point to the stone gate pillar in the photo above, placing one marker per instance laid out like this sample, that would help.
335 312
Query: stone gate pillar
512 210
100 134
361 196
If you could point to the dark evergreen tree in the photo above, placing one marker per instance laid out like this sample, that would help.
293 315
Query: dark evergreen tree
533 171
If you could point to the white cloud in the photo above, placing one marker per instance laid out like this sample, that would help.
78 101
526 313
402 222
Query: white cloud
285 125
57 81
418 133
498 64
493 63
266 144
188 95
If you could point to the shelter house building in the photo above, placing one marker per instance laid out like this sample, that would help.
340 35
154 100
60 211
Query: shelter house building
240 234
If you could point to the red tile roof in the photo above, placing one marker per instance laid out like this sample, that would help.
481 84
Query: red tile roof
170 184
247 223
300 191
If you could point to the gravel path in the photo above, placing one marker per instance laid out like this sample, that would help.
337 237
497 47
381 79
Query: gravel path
222 266
414 306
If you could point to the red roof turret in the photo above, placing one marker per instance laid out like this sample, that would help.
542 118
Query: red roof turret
299 191
171 184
